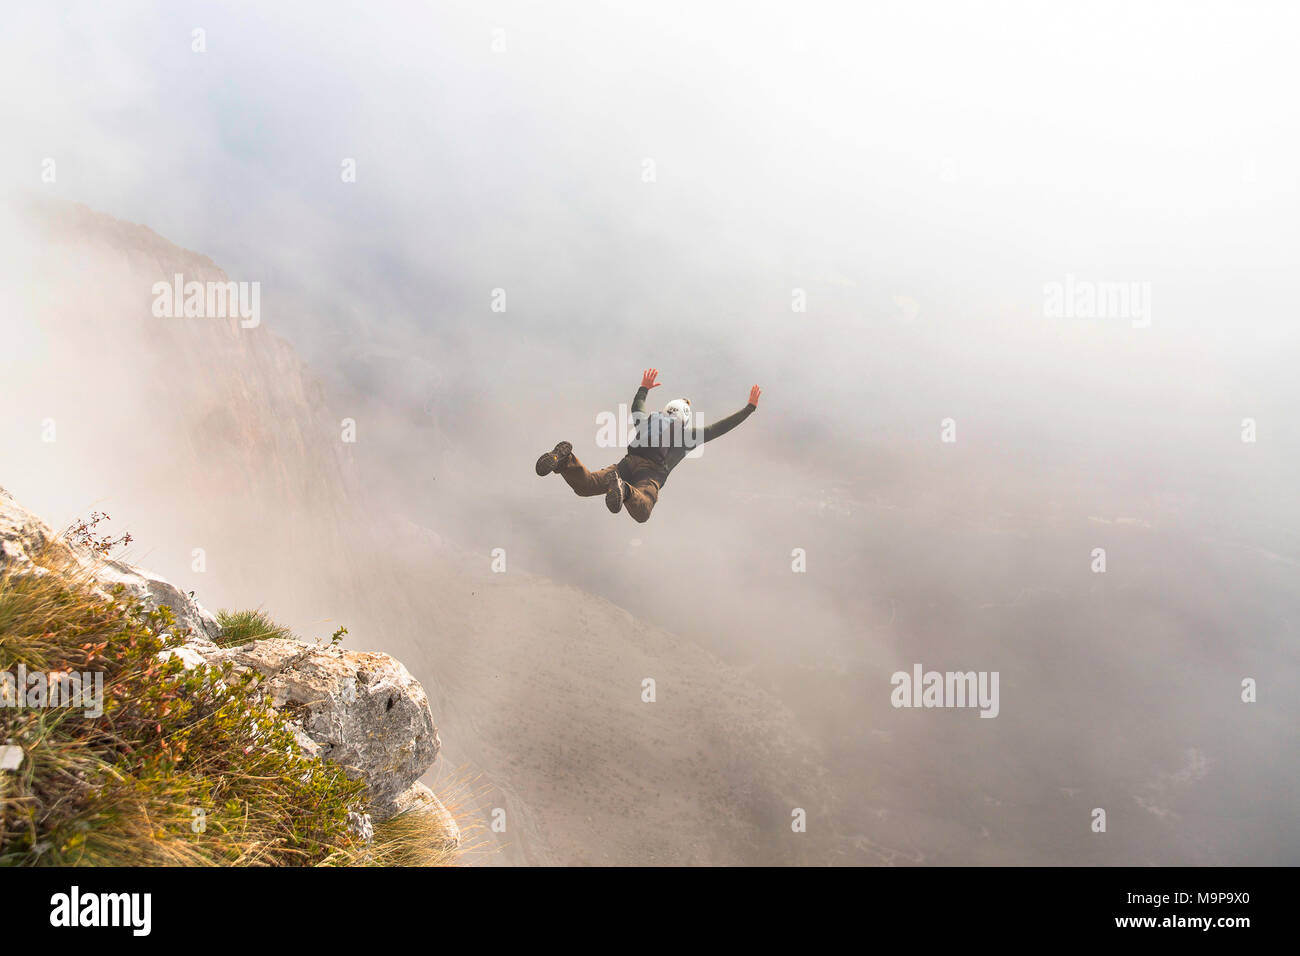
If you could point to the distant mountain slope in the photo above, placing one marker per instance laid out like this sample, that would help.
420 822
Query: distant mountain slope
194 432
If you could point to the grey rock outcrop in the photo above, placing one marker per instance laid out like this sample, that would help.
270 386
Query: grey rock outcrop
152 591
361 710
22 534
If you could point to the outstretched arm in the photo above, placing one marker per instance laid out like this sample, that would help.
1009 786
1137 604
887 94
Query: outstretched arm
731 421
647 382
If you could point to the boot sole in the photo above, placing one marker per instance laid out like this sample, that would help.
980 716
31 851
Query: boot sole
551 460
614 496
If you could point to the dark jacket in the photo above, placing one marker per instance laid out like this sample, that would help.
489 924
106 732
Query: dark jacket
665 448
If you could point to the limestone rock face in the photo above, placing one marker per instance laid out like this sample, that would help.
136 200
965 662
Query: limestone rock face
22 534
152 591
362 710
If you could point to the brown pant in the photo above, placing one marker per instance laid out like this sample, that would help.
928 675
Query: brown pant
642 491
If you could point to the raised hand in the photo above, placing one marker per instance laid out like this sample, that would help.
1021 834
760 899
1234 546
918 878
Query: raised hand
648 378
753 395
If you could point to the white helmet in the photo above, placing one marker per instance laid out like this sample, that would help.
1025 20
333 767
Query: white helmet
679 410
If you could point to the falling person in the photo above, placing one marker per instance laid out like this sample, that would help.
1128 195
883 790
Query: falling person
662 440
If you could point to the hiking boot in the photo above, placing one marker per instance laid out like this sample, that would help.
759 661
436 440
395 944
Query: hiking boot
616 493
554 460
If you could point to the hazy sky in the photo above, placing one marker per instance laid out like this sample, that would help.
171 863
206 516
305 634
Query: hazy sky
949 147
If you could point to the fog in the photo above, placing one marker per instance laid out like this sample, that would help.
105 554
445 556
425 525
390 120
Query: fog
865 209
